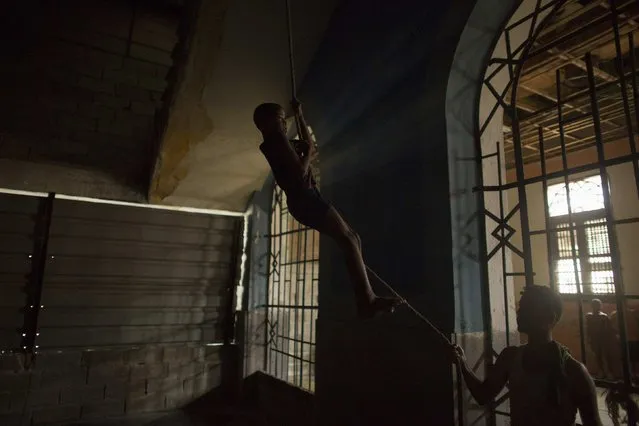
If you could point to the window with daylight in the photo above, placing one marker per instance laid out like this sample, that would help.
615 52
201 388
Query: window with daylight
581 256
292 296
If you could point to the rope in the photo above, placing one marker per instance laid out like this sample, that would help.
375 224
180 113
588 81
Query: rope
415 311
290 49
291 60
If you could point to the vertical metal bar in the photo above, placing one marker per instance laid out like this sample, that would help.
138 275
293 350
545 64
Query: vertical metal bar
297 260
485 286
460 398
612 236
571 230
270 285
269 282
622 82
35 282
311 370
503 249
485 280
305 260
271 277
635 97
290 225
283 312
549 235
229 320
281 281
230 377
521 186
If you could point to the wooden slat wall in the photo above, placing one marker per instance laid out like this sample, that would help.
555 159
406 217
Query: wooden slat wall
17 215
120 275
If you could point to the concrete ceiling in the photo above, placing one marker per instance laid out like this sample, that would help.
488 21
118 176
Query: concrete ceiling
209 156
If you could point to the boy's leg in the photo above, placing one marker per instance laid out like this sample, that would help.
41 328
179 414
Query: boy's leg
334 226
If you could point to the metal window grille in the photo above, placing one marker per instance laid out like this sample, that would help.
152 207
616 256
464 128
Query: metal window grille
584 195
292 296
582 260
589 268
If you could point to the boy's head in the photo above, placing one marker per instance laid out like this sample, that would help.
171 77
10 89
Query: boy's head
595 304
269 118
540 309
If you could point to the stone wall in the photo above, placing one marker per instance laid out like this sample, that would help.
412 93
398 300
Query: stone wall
94 385
81 85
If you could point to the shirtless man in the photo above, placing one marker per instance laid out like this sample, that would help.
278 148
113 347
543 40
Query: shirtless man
599 329
547 386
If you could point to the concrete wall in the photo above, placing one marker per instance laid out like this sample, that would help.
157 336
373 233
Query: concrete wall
252 327
81 84
481 311
132 314
66 179
375 97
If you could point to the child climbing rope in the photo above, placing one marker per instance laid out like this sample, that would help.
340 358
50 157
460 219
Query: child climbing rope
292 172
547 386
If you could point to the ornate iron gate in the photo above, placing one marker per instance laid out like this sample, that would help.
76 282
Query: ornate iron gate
564 184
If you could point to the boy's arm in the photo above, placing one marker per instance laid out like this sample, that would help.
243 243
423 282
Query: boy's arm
299 114
292 157
486 390
585 395
305 134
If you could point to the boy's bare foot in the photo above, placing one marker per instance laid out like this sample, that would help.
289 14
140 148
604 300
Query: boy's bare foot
378 306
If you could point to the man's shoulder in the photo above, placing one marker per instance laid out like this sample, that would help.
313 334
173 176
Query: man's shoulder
506 359
578 377
509 353
510 350
575 367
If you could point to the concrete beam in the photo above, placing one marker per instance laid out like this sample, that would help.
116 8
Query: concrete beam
188 121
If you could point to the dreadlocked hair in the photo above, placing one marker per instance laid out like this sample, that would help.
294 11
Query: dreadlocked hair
616 397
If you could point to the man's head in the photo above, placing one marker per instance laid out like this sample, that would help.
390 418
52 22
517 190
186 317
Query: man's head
540 309
269 118
596 305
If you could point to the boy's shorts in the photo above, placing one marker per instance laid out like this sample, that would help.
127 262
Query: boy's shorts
308 207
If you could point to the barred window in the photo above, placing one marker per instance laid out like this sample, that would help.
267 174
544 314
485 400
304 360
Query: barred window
583 261
585 195
293 296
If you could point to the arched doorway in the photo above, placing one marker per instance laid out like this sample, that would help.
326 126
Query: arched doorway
561 179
